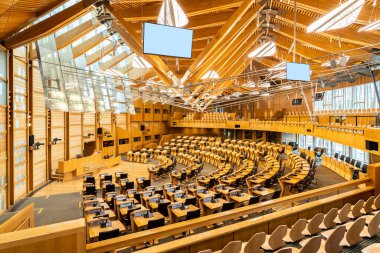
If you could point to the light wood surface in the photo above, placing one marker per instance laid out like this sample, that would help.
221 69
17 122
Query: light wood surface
134 170
94 230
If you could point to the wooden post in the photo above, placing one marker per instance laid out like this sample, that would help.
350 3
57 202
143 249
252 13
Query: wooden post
373 172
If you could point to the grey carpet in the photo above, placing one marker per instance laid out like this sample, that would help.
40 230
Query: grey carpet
51 209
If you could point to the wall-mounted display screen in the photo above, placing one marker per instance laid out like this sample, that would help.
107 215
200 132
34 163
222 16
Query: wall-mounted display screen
167 40
297 71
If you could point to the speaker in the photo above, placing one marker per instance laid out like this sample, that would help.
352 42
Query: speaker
142 128
100 130
31 140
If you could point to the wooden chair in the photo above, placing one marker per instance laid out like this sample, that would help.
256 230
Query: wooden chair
332 243
205 251
328 221
231 247
275 240
284 250
313 226
376 203
294 234
354 230
373 227
343 214
254 244
312 246
356 210
368 205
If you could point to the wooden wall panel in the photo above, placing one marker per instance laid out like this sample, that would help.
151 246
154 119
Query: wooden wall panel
105 120
75 134
57 131
89 127
39 130
20 132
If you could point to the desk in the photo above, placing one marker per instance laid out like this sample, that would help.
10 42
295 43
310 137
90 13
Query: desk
154 205
183 200
258 180
181 213
241 199
142 222
264 192
205 195
124 211
93 231
111 215
211 208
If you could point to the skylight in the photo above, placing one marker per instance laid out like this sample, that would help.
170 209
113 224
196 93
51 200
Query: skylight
342 16
370 27
210 75
140 63
264 50
172 14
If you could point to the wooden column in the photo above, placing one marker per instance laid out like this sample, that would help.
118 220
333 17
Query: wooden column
373 172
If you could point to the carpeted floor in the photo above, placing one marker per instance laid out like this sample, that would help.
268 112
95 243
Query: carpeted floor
50 209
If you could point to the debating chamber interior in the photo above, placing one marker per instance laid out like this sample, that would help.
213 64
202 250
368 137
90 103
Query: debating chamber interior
189 126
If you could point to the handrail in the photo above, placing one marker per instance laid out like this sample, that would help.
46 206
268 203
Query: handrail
223 231
21 220
177 228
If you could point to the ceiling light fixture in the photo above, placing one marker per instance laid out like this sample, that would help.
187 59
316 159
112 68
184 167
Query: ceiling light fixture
249 84
286 87
342 16
265 95
172 14
341 61
264 50
139 63
264 85
254 92
210 75
370 27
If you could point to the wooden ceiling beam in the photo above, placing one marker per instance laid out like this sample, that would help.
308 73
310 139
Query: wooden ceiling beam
115 60
88 44
228 32
134 42
49 25
319 43
322 7
191 8
347 34
304 52
235 60
244 31
201 21
72 35
99 54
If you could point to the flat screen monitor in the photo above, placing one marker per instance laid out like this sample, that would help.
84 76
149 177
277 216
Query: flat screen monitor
297 72
167 40
297 101
319 96
372 145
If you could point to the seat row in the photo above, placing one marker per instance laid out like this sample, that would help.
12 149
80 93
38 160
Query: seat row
327 233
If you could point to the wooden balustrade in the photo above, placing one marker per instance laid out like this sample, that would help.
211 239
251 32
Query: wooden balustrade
21 220
216 239
64 237
353 137
177 228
